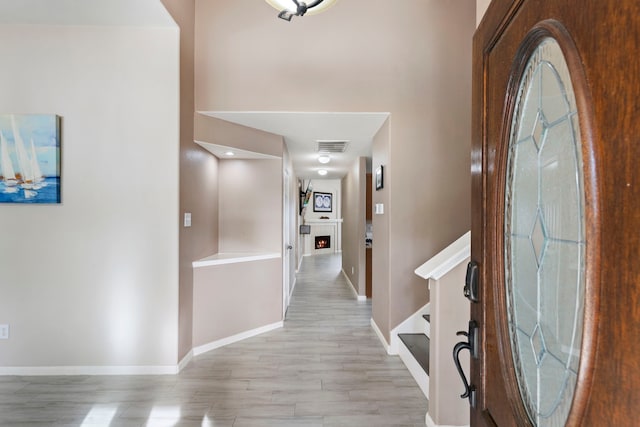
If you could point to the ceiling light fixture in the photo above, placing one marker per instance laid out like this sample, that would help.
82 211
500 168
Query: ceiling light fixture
290 8
229 153
324 159
322 172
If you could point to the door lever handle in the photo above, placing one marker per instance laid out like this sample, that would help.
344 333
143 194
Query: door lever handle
472 345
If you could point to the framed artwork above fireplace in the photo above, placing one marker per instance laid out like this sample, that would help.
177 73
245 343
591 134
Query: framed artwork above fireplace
322 202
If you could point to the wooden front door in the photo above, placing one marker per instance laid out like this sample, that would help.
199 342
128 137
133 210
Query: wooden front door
556 214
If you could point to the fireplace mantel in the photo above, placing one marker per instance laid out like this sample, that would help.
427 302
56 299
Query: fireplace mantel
322 221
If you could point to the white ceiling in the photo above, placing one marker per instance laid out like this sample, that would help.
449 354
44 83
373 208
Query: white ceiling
301 130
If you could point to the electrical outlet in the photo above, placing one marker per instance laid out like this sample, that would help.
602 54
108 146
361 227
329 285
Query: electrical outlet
4 332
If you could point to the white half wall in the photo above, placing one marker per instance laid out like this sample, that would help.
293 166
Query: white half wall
94 281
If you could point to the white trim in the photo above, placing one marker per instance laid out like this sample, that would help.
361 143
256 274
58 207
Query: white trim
232 258
414 324
185 360
380 336
360 298
235 338
293 286
447 259
417 372
89 370
430 423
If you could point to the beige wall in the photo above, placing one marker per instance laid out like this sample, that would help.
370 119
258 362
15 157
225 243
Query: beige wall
353 227
198 178
250 205
234 298
216 131
377 57
380 286
94 281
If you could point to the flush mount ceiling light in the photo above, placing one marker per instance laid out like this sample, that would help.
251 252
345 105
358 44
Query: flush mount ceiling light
324 159
322 172
290 8
229 153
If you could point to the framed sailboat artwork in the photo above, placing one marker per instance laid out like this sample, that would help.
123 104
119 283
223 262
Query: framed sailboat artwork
29 158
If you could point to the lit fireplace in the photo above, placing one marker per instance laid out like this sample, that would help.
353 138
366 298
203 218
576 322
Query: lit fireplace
323 242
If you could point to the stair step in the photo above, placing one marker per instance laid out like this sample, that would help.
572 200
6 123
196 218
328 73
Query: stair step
427 317
418 346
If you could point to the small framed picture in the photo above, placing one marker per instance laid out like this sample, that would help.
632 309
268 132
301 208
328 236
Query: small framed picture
379 178
322 202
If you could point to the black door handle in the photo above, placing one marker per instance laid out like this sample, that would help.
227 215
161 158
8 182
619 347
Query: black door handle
472 345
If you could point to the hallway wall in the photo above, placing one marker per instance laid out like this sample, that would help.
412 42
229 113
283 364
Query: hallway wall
93 282
353 227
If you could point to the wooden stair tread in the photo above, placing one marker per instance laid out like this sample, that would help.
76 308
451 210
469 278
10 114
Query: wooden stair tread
418 346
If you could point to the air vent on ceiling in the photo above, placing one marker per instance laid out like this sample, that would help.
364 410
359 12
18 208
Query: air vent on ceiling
332 146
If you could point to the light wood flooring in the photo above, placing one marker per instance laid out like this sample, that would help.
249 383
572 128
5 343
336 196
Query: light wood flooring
326 367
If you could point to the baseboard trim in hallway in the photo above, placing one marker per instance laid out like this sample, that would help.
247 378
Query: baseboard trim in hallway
235 338
381 338
361 298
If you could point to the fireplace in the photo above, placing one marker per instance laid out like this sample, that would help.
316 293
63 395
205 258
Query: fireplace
323 242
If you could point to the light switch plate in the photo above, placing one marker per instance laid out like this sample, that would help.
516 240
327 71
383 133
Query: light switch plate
187 219
4 332
379 208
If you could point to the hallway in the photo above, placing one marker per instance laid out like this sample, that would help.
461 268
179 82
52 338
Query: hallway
326 367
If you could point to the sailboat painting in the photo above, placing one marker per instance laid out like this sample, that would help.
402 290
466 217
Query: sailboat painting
29 158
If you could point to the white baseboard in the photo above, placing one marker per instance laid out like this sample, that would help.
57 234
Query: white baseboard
430 423
133 370
235 338
293 286
185 360
361 298
380 336
89 370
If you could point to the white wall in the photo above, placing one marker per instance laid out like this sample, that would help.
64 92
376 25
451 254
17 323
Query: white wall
333 186
94 281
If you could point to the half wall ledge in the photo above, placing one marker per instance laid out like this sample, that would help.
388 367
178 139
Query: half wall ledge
233 257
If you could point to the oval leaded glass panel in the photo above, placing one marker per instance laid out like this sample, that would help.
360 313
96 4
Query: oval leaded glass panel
544 237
